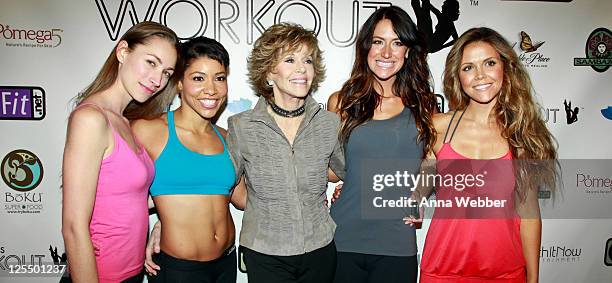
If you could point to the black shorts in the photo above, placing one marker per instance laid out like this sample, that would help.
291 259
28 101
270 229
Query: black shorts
178 270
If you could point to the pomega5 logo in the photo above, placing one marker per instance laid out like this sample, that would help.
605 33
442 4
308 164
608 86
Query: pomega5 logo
22 103
24 37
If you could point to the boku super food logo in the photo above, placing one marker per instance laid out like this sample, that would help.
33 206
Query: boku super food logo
22 103
22 171
598 51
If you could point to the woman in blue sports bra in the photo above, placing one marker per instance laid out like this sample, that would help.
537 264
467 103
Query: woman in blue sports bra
194 173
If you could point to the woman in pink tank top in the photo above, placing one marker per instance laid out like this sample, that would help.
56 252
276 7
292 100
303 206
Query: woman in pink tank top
494 127
106 172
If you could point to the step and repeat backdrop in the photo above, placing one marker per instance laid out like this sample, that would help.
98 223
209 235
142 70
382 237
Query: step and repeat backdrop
50 50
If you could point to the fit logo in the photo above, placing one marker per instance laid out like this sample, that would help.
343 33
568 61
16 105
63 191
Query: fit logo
22 103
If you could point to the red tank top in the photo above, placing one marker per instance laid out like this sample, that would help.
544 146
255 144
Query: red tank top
470 243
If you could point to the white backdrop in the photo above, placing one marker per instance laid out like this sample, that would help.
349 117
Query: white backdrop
53 49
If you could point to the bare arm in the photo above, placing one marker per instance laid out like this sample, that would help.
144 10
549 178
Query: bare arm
331 176
239 195
332 102
428 166
87 143
531 233
153 246
424 189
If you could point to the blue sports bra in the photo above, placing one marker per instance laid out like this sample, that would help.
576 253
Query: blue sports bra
180 171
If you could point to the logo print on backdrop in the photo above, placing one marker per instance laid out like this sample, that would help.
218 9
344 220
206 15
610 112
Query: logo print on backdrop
608 253
549 114
527 52
527 45
220 18
598 51
22 103
445 28
440 102
22 170
571 115
560 254
61 261
607 112
33 38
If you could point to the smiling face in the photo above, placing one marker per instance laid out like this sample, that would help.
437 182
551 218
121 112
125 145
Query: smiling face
146 68
387 54
481 72
204 86
294 73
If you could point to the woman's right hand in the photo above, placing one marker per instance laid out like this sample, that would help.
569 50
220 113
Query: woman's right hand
414 220
335 195
153 247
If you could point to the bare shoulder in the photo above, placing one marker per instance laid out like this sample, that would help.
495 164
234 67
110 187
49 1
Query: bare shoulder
441 121
151 126
88 129
151 132
88 121
332 102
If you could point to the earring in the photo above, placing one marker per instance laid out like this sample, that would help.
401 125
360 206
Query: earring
406 55
270 83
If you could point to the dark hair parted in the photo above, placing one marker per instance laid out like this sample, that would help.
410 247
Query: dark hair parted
269 48
358 98
138 34
516 111
201 47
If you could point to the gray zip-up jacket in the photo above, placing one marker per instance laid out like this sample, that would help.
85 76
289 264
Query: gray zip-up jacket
285 212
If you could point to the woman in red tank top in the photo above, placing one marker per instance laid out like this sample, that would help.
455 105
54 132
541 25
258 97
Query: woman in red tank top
498 127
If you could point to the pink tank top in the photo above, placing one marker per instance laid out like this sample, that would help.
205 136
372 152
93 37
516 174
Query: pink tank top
474 244
119 222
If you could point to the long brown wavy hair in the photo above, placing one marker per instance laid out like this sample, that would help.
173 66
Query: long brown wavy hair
358 99
516 111
138 34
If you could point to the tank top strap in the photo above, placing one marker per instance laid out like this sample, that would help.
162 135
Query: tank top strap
172 137
455 128
448 128
220 137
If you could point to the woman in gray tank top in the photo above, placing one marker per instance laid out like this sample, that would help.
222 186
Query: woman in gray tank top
385 109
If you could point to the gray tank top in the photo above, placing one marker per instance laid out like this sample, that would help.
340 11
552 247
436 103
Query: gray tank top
377 147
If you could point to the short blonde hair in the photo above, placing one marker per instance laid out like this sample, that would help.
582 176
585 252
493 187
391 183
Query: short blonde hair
276 41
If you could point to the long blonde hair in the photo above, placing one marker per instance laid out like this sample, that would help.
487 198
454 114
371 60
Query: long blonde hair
518 115
137 34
